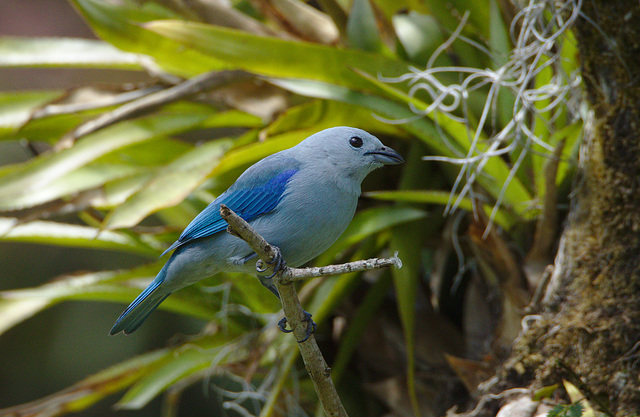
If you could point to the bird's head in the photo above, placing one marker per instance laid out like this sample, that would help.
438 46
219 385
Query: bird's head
350 150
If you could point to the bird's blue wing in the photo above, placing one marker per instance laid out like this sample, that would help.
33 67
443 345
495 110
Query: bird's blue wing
252 195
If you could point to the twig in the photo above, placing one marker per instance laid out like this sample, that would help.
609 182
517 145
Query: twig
197 84
299 274
115 100
315 364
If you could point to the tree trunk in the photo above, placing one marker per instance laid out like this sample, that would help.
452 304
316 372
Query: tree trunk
589 330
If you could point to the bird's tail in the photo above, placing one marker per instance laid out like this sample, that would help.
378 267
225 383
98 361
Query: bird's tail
141 307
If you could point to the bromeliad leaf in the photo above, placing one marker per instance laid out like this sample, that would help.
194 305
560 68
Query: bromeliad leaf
43 170
276 57
85 178
120 24
503 217
17 107
53 233
67 52
164 364
170 186
208 354
362 27
370 222
116 286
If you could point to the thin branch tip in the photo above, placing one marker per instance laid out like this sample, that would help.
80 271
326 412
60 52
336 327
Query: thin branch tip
397 262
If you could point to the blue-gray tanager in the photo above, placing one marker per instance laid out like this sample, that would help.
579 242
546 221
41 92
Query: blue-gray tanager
300 200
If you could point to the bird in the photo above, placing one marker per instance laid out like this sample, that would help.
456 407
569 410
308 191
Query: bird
300 200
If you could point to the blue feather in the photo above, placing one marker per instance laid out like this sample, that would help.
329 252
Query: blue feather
141 307
248 202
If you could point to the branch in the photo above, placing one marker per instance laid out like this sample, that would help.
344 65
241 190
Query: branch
299 274
315 364
195 85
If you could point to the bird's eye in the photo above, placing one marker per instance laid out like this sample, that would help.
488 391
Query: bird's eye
356 142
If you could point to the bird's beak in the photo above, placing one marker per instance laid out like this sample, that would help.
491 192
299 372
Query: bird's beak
386 156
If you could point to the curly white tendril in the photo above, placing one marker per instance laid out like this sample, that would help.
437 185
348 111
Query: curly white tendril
537 34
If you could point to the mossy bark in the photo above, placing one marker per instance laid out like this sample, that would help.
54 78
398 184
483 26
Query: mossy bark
589 331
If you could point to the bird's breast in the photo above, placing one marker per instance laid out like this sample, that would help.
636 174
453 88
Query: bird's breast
309 218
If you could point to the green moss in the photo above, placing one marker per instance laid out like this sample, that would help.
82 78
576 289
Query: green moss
592 323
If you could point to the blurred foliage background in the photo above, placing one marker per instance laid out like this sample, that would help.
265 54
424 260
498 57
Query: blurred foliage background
114 135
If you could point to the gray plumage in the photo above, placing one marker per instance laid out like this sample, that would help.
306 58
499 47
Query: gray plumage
300 199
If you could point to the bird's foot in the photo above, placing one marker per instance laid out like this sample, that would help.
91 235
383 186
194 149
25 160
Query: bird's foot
311 326
277 264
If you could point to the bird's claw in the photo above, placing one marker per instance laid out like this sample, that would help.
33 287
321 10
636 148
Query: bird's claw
311 326
282 325
277 264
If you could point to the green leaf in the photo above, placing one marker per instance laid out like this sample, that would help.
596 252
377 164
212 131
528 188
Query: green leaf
43 170
500 43
120 24
83 179
184 362
422 128
545 392
53 233
556 411
232 118
316 115
116 192
18 305
67 52
116 286
251 294
448 13
51 129
362 27
578 410
496 170
570 134
392 7
502 218
277 57
374 220
248 154
151 373
367 223
170 186
405 239
17 107
15 311
419 34
570 152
